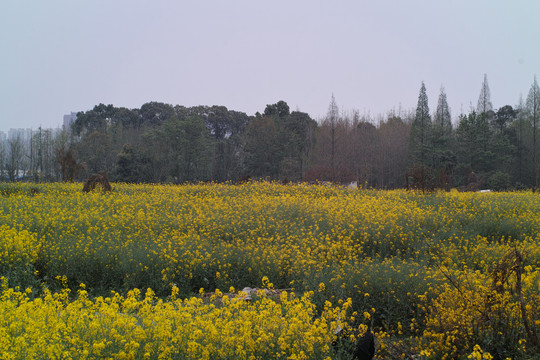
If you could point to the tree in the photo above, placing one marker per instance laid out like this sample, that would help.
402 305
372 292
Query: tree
326 165
95 151
391 153
299 129
15 157
66 167
102 131
263 149
504 146
96 119
474 147
366 138
36 155
225 127
69 168
189 149
331 120
197 151
442 154
155 113
504 117
522 130
484 100
126 118
533 110
2 160
231 167
279 109
442 118
127 169
176 151
419 143
278 143
49 157
154 151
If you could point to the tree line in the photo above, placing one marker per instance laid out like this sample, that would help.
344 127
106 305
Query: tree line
162 143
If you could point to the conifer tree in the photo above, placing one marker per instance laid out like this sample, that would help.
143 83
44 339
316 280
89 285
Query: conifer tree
442 154
420 144
419 139
484 100
442 116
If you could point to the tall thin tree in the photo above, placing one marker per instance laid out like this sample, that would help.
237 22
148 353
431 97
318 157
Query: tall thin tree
533 110
332 118
484 100
442 117
521 126
420 129
442 154
419 142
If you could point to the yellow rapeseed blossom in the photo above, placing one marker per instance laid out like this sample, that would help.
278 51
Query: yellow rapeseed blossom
437 267
139 326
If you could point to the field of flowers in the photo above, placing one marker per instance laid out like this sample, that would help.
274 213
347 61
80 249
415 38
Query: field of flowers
439 275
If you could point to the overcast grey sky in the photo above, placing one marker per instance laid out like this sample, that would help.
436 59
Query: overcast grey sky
62 56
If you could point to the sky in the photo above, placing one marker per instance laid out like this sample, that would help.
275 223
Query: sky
62 56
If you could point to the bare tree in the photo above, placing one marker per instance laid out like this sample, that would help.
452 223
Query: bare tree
335 152
521 127
366 140
15 157
2 159
332 119
393 135
442 118
533 110
484 100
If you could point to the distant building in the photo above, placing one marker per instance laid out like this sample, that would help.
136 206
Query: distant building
24 134
69 120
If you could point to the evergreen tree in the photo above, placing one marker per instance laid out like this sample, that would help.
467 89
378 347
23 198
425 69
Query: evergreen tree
474 148
443 157
503 145
420 130
127 169
420 145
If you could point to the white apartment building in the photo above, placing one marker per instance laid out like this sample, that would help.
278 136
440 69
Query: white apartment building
69 119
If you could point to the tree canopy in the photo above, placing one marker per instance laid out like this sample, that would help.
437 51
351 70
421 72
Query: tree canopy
159 142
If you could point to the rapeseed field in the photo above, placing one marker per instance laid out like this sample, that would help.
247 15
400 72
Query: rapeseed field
154 272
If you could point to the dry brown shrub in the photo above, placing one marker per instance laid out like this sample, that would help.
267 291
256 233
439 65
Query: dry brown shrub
97 179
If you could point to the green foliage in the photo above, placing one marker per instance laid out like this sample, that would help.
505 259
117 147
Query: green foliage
178 151
499 181
474 148
420 130
278 143
164 143
127 165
